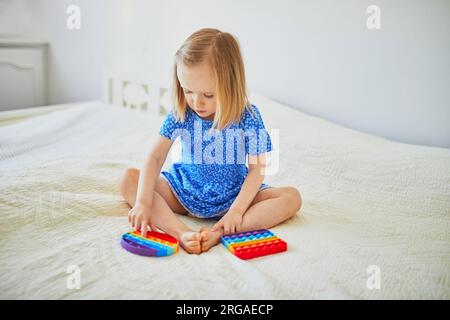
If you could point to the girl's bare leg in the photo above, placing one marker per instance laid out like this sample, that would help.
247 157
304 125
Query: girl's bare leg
164 217
269 208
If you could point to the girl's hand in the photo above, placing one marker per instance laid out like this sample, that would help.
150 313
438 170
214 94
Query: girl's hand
139 218
230 222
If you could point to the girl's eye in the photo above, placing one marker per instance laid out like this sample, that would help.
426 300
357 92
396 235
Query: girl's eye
206 96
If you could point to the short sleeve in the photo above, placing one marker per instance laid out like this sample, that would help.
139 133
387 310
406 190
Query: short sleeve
257 139
169 127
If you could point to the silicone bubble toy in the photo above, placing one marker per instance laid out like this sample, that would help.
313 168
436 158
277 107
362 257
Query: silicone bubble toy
153 244
253 244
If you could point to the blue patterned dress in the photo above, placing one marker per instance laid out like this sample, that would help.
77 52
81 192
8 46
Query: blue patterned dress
212 168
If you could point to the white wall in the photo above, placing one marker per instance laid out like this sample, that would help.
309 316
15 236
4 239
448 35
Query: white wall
76 58
315 55
19 18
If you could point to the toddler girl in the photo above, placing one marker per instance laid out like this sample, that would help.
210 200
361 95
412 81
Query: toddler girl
220 131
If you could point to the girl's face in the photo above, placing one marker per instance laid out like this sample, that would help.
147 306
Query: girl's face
198 86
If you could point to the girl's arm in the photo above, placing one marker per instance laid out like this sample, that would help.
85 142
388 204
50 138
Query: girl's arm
231 222
151 170
250 187
140 215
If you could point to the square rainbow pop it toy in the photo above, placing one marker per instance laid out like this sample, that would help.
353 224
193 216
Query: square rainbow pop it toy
153 244
253 244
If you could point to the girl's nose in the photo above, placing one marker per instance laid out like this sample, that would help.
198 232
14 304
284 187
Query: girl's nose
196 101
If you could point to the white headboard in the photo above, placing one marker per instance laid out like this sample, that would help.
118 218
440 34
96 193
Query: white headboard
137 94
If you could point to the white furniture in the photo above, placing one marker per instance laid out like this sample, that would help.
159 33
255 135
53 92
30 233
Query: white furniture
136 94
23 74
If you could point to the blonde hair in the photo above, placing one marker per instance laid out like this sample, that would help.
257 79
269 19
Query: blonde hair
222 52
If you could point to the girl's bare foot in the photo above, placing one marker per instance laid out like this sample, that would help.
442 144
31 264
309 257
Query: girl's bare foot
209 238
190 241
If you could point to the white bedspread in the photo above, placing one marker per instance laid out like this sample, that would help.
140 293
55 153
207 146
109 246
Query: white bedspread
367 201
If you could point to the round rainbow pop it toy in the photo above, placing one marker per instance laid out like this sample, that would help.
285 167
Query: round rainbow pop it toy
153 244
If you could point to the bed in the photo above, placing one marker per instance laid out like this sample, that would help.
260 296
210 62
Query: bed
375 222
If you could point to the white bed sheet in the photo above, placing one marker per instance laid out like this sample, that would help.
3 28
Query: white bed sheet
367 201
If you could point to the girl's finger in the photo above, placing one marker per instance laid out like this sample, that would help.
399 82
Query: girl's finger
153 227
137 224
144 228
132 221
